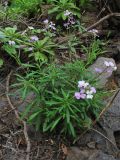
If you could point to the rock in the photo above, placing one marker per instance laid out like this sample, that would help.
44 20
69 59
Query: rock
2 87
99 142
111 119
3 102
33 134
16 98
101 156
74 153
117 138
10 155
117 74
102 77
30 97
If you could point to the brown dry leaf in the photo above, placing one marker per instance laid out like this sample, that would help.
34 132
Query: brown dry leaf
111 84
51 141
21 141
64 149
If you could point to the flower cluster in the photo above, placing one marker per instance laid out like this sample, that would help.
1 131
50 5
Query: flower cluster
94 32
67 13
70 20
11 43
110 66
34 38
49 25
30 49
86 91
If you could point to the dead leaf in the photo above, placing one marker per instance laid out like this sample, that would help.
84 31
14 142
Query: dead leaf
64 149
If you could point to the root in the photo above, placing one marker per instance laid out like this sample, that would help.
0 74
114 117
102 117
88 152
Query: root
18 117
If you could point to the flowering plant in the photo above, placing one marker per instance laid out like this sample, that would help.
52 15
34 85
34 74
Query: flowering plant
63 8
19 8
57 105
85 90
16 43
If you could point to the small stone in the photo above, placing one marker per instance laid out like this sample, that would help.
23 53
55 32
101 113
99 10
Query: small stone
91 145
111 119
74 153
117 74
102 77
100 156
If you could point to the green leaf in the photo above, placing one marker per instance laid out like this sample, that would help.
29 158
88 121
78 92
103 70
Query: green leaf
10 30
10 49
72 129
28 108
68 116
59 16
1 62
34 88
39 56
2 35
55 9
46 127
55 123
38 123
63 16
34 115
73 49
51 103
43 41
24 93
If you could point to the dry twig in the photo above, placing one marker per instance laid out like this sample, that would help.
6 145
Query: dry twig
18 117
104 136
100 115
64 39
103 19
107 106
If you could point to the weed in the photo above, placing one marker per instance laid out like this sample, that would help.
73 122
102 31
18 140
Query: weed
93 51
63 8
56 105
23 7
14 43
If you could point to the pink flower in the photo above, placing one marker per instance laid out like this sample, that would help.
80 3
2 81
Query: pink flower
82 90
82 84
52 26
66 25
79 95
93 90
34 38
46 21
110 64
82 96
99 70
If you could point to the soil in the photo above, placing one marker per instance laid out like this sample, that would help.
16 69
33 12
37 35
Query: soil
12 141
102 139
53 147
